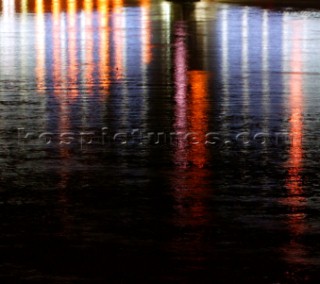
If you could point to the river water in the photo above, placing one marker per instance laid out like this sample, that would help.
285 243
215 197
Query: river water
158 142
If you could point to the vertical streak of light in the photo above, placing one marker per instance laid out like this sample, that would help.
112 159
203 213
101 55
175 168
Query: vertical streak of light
24 6
72 49
146 52
89 48
200 18
225 67
120 56
24 52
166 27
265 69
40 47
104 63
23 40
8 44
56 10
119 38
68 58
190 111
87 42
296 105
67 42
244 64
63 51
8 8
58 83
294 251
181 84
198 114
145 32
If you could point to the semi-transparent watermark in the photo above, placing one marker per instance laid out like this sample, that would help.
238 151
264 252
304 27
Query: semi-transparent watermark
105 137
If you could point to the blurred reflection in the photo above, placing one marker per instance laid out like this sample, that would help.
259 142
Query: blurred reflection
72 47
104 56
255 60
57 42
294 251
294 182
8 43
146 32
8 8
119 28
40 47
190 152
198 116
181 84
245 67
88 46
24 6
266 71
225 64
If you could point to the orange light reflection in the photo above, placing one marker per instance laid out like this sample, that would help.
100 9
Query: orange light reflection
89 45
104 69
146 32
198 115
294 251
72 49
190 154
296 104
40 47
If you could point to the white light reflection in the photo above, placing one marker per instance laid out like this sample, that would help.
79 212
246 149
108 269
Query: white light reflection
166 36
245 65
265 71
225 68
8 44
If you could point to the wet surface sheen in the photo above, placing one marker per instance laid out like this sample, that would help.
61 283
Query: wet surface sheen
158 142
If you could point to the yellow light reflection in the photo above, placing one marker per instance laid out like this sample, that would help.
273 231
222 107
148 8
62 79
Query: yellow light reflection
56 10
88 6
104 69
40 46
72 49
103 8
39 7
89 44
146 32
72 12
24 6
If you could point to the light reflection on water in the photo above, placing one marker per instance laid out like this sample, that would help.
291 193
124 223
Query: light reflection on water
71 67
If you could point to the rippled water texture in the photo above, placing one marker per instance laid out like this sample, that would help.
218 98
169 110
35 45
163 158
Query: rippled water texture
158 142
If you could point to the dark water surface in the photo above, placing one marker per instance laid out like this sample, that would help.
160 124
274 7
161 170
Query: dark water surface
155 142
